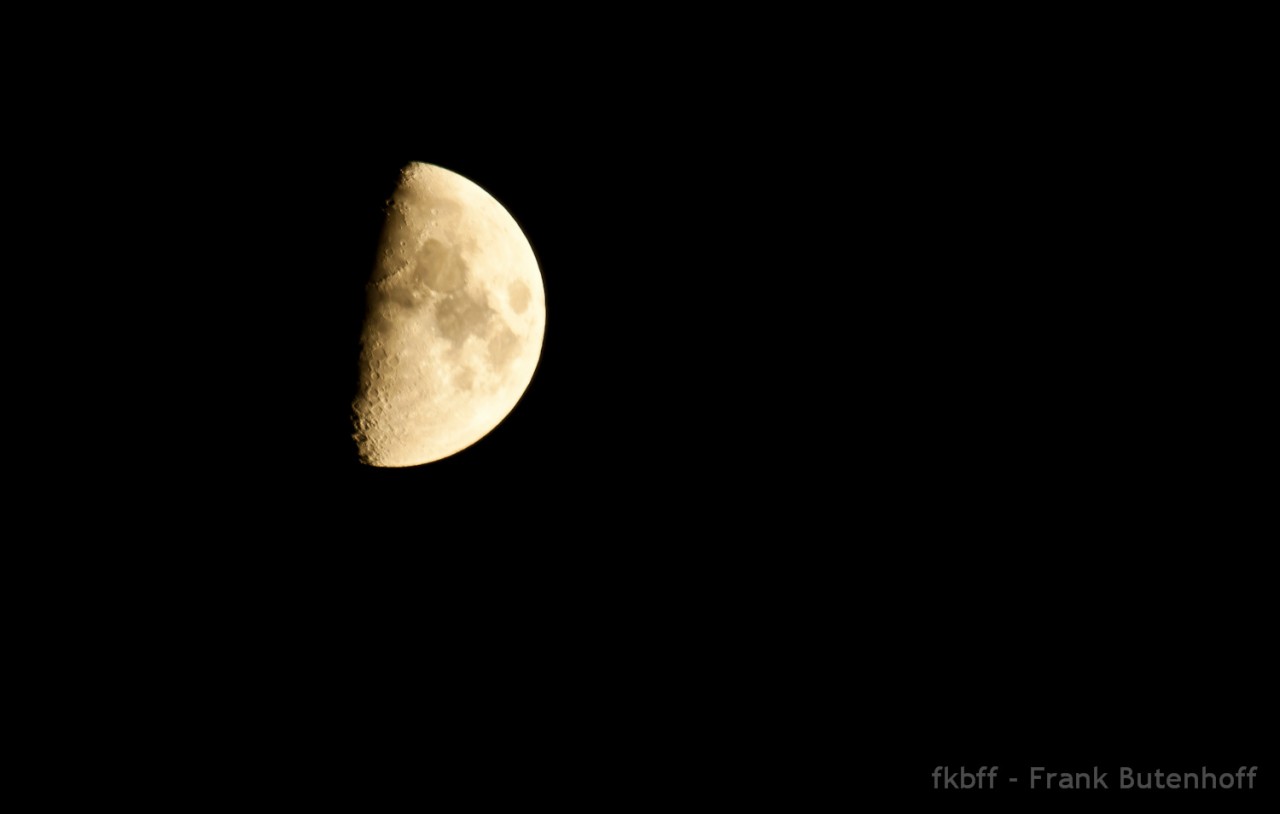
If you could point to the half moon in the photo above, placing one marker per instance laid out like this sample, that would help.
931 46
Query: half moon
454 321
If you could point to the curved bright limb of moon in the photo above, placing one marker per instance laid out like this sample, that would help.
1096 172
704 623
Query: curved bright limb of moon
454 324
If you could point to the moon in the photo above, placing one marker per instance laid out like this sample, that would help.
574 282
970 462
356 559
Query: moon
453 324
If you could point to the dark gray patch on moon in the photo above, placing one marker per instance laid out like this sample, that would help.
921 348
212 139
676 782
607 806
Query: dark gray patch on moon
503 346
460 315
438 267
441 267
518 294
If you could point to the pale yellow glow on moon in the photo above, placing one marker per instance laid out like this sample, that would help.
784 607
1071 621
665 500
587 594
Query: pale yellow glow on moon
454 325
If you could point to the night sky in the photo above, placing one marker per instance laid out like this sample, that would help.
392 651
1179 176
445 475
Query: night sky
911 401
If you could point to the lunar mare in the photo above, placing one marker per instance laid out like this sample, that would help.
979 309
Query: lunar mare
453 325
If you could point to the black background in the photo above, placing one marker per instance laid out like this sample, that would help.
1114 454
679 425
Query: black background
898 408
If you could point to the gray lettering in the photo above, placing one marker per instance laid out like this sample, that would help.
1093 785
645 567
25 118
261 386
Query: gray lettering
1035 774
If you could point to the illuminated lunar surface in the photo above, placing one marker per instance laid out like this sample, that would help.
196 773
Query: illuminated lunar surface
454 323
